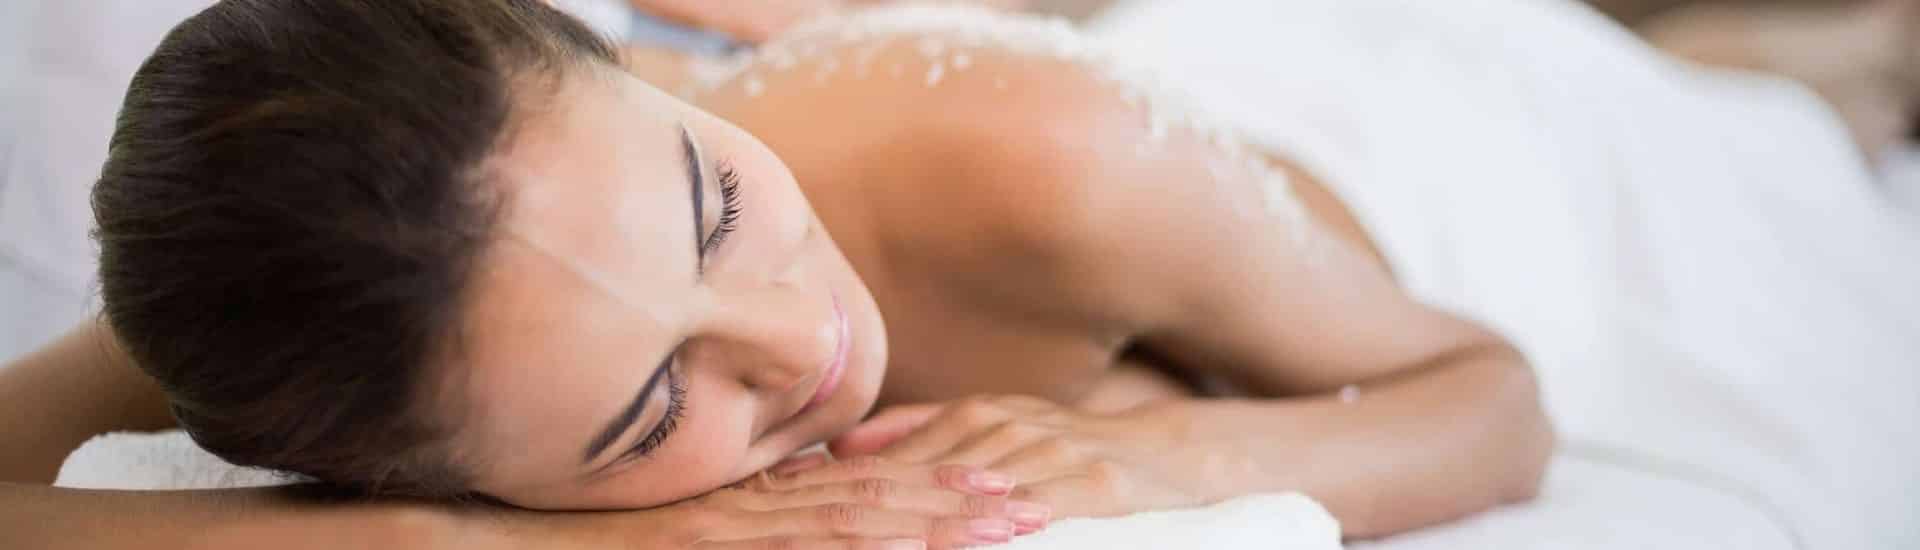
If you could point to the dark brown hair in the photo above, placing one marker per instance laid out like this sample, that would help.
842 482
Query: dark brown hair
291 212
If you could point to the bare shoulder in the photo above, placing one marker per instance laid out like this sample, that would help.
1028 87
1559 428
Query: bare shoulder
1041 158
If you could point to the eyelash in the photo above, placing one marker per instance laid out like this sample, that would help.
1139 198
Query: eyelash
729 208
676 408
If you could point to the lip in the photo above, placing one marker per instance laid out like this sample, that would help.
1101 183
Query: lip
837 366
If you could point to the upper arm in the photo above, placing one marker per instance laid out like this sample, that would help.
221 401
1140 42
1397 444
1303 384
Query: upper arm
1205 256
54 399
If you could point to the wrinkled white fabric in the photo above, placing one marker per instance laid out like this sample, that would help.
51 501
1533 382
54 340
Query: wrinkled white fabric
1707 279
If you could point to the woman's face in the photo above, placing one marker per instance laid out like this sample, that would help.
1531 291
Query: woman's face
662 314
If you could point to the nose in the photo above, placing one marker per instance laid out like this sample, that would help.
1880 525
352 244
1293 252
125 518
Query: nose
776 339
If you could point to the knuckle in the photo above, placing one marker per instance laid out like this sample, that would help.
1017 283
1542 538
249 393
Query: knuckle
861 465
842 518
980 506
876 491
951 475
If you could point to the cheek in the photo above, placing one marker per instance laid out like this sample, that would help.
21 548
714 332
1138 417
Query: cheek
705 453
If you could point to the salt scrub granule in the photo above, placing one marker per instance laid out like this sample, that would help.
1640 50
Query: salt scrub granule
827 68
1350 394
755 86
938 30
935 73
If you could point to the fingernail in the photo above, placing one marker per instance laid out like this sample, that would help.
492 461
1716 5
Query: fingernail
1024 530
990 530
990 482
904 544
1028 513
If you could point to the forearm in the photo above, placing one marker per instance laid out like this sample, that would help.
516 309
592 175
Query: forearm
75 388
1458 437
35 516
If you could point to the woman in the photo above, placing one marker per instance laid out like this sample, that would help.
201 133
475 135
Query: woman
448 248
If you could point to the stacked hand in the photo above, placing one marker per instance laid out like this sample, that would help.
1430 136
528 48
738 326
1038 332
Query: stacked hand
1079 464
856 504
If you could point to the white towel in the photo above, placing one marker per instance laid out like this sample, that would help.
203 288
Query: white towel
170 460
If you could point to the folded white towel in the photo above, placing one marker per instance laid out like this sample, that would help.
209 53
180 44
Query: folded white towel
170 460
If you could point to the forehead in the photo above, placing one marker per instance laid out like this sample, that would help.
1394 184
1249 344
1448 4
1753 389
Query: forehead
585 285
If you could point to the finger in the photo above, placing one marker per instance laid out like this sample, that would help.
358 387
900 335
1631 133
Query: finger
800 463
822 543
888 433
937 437
1068 496
1102 489
966 479
1040 461
930 501
992 445
965 420
883 429
846 520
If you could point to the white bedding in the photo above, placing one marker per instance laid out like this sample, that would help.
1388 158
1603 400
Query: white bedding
1700 266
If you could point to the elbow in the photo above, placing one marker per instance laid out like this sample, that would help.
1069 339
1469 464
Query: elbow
1529 438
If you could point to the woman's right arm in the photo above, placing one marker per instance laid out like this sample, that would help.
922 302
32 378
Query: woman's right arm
78 387
44 517
861 504
82 385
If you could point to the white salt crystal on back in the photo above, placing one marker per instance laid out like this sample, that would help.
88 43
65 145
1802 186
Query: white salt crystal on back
938 29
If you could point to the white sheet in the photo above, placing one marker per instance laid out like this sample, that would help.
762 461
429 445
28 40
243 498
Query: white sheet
1698 263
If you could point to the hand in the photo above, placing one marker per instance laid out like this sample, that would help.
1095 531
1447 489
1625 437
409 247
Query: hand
1082 465
858 504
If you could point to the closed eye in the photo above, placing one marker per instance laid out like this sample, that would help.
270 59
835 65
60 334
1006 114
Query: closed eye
730 208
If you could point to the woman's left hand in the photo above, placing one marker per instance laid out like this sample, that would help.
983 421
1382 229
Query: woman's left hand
1081 464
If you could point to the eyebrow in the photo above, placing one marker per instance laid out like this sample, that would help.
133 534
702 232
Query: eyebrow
697 182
